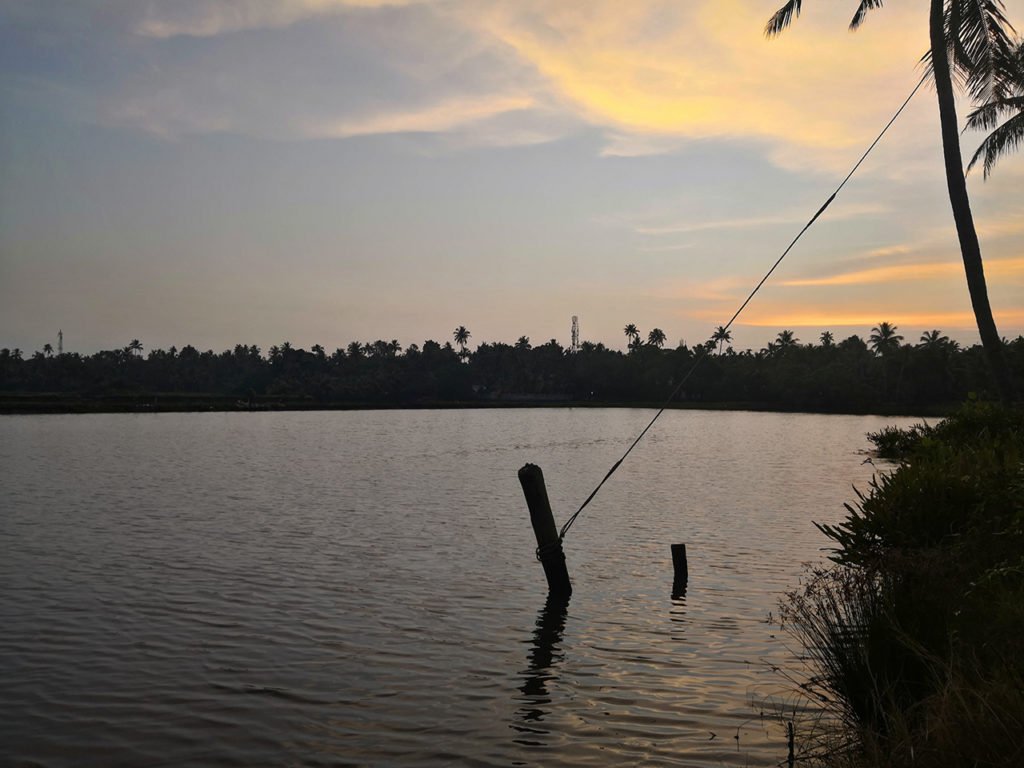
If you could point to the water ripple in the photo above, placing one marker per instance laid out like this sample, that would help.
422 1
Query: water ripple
360 588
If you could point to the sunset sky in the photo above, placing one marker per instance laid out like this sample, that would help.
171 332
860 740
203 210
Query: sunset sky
320 171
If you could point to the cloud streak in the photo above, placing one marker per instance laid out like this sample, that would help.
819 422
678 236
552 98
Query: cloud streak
833 318
205 18
437 118
1013 267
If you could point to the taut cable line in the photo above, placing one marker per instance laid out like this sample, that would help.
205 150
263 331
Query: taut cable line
701 355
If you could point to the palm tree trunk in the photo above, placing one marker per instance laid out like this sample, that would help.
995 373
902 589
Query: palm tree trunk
970 249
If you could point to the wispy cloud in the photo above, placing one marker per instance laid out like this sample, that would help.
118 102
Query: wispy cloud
741 223
1007 226
905 272
667 248
446 116
655 73
209 18
824 318
844 213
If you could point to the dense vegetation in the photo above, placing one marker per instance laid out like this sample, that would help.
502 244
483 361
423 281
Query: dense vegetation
918 630
853 375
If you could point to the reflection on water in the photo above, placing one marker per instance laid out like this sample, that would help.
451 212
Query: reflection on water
361 588
542 658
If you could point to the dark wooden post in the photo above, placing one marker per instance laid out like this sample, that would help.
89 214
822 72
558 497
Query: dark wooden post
682 574
549 547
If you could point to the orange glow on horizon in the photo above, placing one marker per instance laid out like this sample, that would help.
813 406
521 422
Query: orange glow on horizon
826 319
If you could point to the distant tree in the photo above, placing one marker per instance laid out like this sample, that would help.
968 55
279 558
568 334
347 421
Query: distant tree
135 347
933 340
523 343
461 336
884 338
722 336
827 339
317 350
354 349
48 350
785 340
656 337
632 335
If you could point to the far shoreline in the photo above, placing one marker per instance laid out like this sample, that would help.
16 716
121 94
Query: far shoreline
35 404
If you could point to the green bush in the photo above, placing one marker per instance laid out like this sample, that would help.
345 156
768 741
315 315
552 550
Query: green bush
918 629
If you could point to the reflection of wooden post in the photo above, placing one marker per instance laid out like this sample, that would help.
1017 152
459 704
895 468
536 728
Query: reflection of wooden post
682 573
549 548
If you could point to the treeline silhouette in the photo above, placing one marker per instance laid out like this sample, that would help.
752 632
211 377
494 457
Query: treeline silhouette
852 375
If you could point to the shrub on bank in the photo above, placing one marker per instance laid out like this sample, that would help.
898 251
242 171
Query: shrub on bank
918 628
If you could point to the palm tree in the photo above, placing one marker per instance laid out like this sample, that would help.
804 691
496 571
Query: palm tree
656 337
971 37
354 349
721 335
933 340
461 336
523 343
827 339
632 334
48 350
1007 98
785 340
884 338
135 347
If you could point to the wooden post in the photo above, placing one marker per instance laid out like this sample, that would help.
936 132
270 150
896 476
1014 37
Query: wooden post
549 547
682 574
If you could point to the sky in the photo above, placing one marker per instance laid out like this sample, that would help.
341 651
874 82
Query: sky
321 171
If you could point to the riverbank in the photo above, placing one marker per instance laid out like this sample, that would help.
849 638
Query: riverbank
43 403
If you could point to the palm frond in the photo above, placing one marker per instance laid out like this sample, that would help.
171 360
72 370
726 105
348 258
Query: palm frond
979 36
782 18
862 11
989 115
1006 100
1003 140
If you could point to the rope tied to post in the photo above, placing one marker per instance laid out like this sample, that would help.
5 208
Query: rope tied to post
550 549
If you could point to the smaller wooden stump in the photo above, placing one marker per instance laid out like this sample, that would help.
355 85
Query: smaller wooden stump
549 546
682 574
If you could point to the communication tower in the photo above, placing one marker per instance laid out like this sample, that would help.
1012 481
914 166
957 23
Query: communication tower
60 342
575 334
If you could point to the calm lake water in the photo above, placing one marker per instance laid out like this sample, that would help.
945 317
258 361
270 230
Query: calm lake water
360 588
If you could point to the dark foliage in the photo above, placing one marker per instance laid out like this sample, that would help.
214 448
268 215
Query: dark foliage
847 376
918 630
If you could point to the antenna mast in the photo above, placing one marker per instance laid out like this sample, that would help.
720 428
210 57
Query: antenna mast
575 334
